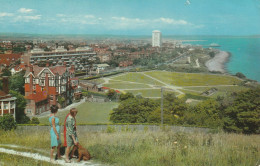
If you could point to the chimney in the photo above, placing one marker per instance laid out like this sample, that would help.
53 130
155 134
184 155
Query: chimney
31 68
5 84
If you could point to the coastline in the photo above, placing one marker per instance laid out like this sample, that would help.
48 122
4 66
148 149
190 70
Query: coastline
218 62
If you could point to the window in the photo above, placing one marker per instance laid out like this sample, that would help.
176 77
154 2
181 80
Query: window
34 88
51 97
6 106
33 81
51 82
42 82
12 105
27 80
29 111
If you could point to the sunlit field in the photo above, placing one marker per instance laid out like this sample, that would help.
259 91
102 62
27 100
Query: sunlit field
141 148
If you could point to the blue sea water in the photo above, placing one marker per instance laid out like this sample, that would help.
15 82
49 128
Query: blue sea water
245 53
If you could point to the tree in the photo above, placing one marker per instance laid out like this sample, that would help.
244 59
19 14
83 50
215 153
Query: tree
6 72
173 110
243 115
7 122
20 107
133 110
125 96
17 82
61 100
111 94
240 75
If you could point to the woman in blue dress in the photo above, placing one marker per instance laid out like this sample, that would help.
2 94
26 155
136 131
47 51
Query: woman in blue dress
55 131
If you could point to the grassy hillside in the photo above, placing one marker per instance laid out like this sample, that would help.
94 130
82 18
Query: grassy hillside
88 113
146 148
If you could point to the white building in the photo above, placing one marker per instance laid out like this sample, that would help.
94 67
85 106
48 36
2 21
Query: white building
156 38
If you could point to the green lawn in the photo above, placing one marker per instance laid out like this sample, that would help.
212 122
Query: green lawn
137 77
88 113
125 86
193 79
150 92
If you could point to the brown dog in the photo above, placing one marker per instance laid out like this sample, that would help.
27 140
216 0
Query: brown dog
82 153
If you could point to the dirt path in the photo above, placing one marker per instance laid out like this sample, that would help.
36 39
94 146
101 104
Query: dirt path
37 156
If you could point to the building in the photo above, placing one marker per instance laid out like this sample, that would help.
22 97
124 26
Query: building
8 59
7 102
59 57
45 86
156 39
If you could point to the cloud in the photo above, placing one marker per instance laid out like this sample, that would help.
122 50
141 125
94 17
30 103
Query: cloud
89 16
60 15
27 18
6 14
24 10
173 22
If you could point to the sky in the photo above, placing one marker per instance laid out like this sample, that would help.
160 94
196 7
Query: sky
131 17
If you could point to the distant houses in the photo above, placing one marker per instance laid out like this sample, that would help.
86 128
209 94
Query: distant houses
46 86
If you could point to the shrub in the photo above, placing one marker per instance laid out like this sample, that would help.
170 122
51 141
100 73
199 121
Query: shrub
7 122
35 121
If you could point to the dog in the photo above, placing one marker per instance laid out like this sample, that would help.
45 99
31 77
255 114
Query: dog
83 153
78 151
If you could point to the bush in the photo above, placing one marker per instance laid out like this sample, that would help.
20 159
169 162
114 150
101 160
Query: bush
7 122
35 121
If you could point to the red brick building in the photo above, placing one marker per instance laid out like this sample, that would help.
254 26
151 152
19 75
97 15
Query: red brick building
45 85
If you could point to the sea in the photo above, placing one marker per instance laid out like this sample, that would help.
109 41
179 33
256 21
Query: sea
245 52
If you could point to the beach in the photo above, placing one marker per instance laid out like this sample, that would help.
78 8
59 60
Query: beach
218 62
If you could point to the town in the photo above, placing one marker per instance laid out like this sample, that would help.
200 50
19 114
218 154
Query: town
52 68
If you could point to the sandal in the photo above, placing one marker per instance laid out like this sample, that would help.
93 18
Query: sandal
67 161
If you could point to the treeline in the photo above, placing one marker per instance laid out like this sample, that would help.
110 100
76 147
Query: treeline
239 112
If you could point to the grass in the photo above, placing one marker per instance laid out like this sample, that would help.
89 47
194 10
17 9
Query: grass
126 85
162 148
88 113
150 92
137 77
193 79
14 160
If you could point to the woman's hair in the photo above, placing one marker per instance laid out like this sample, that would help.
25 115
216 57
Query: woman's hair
54 109
73 111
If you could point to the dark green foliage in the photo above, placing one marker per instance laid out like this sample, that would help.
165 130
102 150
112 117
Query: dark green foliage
238 112
111 94
20 106
243 115
61 100
35 121
126 96
17 82
240 75
173 110
133 110
6 72
7 122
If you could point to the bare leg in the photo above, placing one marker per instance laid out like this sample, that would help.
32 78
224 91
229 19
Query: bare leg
73 150
67 153
52 150
58 151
